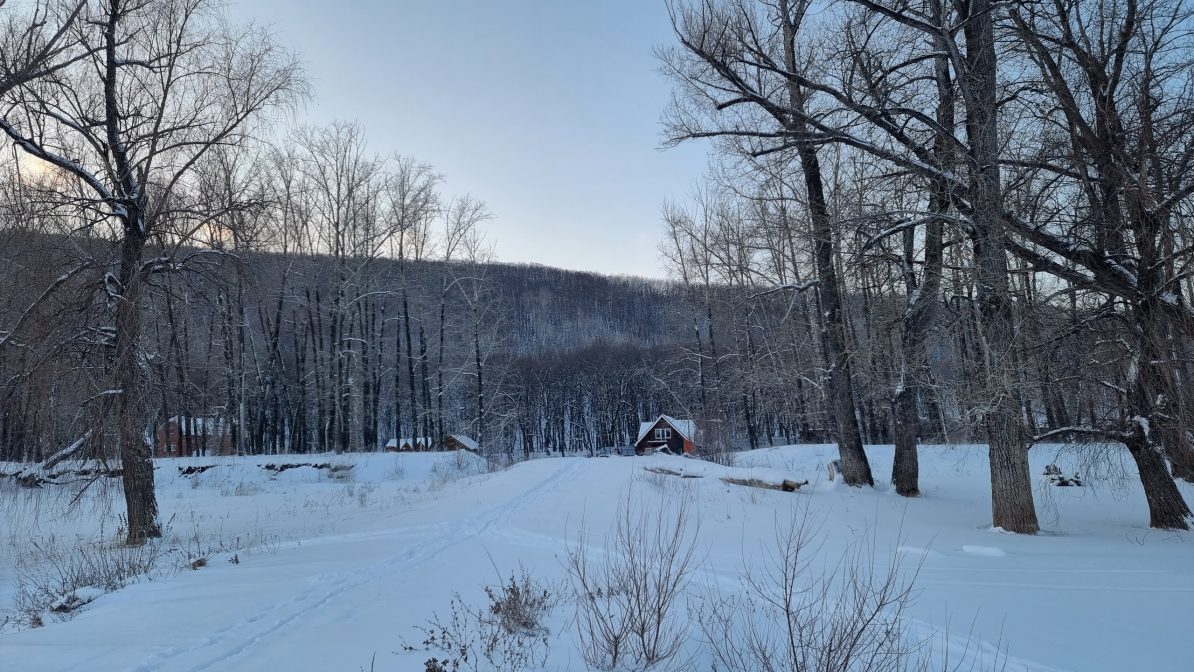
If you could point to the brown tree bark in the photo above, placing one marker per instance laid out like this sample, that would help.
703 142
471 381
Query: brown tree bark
856 469
1167 509
905 474
141 506
905 467
1012 507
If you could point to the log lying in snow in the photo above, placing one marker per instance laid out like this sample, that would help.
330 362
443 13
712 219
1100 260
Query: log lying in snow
787 485
66 453
195 469
36 475
334 470
671 472
35 478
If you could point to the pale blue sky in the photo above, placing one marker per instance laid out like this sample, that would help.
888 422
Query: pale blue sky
546 109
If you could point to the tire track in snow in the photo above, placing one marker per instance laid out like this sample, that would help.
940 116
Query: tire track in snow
240 636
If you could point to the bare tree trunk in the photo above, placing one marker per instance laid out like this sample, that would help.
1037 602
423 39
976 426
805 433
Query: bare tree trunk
1012 507
856 470
1153 380
141 504
1167 510
439 374
905 468
410 367
905 474
480 381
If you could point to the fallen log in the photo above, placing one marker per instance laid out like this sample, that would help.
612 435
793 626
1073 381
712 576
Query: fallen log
671 472
787 485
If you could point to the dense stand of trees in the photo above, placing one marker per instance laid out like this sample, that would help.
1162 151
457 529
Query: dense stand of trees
1014 179
926 221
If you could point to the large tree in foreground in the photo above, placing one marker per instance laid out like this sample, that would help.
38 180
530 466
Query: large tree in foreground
728 92
1112 97
162 83
737 66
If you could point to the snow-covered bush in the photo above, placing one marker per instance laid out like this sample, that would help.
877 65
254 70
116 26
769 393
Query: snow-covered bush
453 467
242 488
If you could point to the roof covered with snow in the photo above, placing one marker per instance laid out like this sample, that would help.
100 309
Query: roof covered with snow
467 442
686 428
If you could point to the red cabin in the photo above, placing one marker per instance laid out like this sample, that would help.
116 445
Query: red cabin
666 433
186 436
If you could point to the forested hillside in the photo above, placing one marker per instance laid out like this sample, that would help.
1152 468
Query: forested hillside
262 327
567 360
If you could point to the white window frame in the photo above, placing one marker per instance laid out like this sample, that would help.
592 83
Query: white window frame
663 433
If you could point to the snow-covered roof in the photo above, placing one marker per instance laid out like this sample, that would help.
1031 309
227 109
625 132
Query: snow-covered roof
467 442
686 428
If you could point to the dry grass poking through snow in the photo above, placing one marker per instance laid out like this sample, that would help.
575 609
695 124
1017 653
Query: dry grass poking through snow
57 576
639 605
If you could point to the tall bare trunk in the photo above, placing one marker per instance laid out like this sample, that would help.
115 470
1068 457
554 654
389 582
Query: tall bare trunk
1152 380
1012 507
856 470
1167 509
141 504
905 468
410 368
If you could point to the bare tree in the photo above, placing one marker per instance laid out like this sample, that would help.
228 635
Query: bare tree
39 41
1114 151
163 83
717 68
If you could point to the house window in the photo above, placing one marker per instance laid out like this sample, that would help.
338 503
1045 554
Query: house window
663 433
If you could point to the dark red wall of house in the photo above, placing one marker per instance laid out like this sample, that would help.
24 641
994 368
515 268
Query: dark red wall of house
170 442
676 444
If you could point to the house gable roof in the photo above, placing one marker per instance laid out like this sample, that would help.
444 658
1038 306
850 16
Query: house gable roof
686 428
466 441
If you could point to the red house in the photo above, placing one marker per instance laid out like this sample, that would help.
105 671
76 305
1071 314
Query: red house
666 433
186 436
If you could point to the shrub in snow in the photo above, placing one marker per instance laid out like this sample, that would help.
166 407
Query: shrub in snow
800 613
726 458
56 577
241 489
75 599
340 472
1054 475
360 492
628 601
453 467
507 634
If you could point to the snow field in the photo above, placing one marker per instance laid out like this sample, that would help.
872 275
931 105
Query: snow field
340 574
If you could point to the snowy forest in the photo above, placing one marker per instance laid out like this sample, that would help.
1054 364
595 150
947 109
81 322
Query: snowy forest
835 280
923 222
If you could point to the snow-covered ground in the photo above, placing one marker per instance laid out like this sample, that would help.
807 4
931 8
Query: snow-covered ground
338 573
